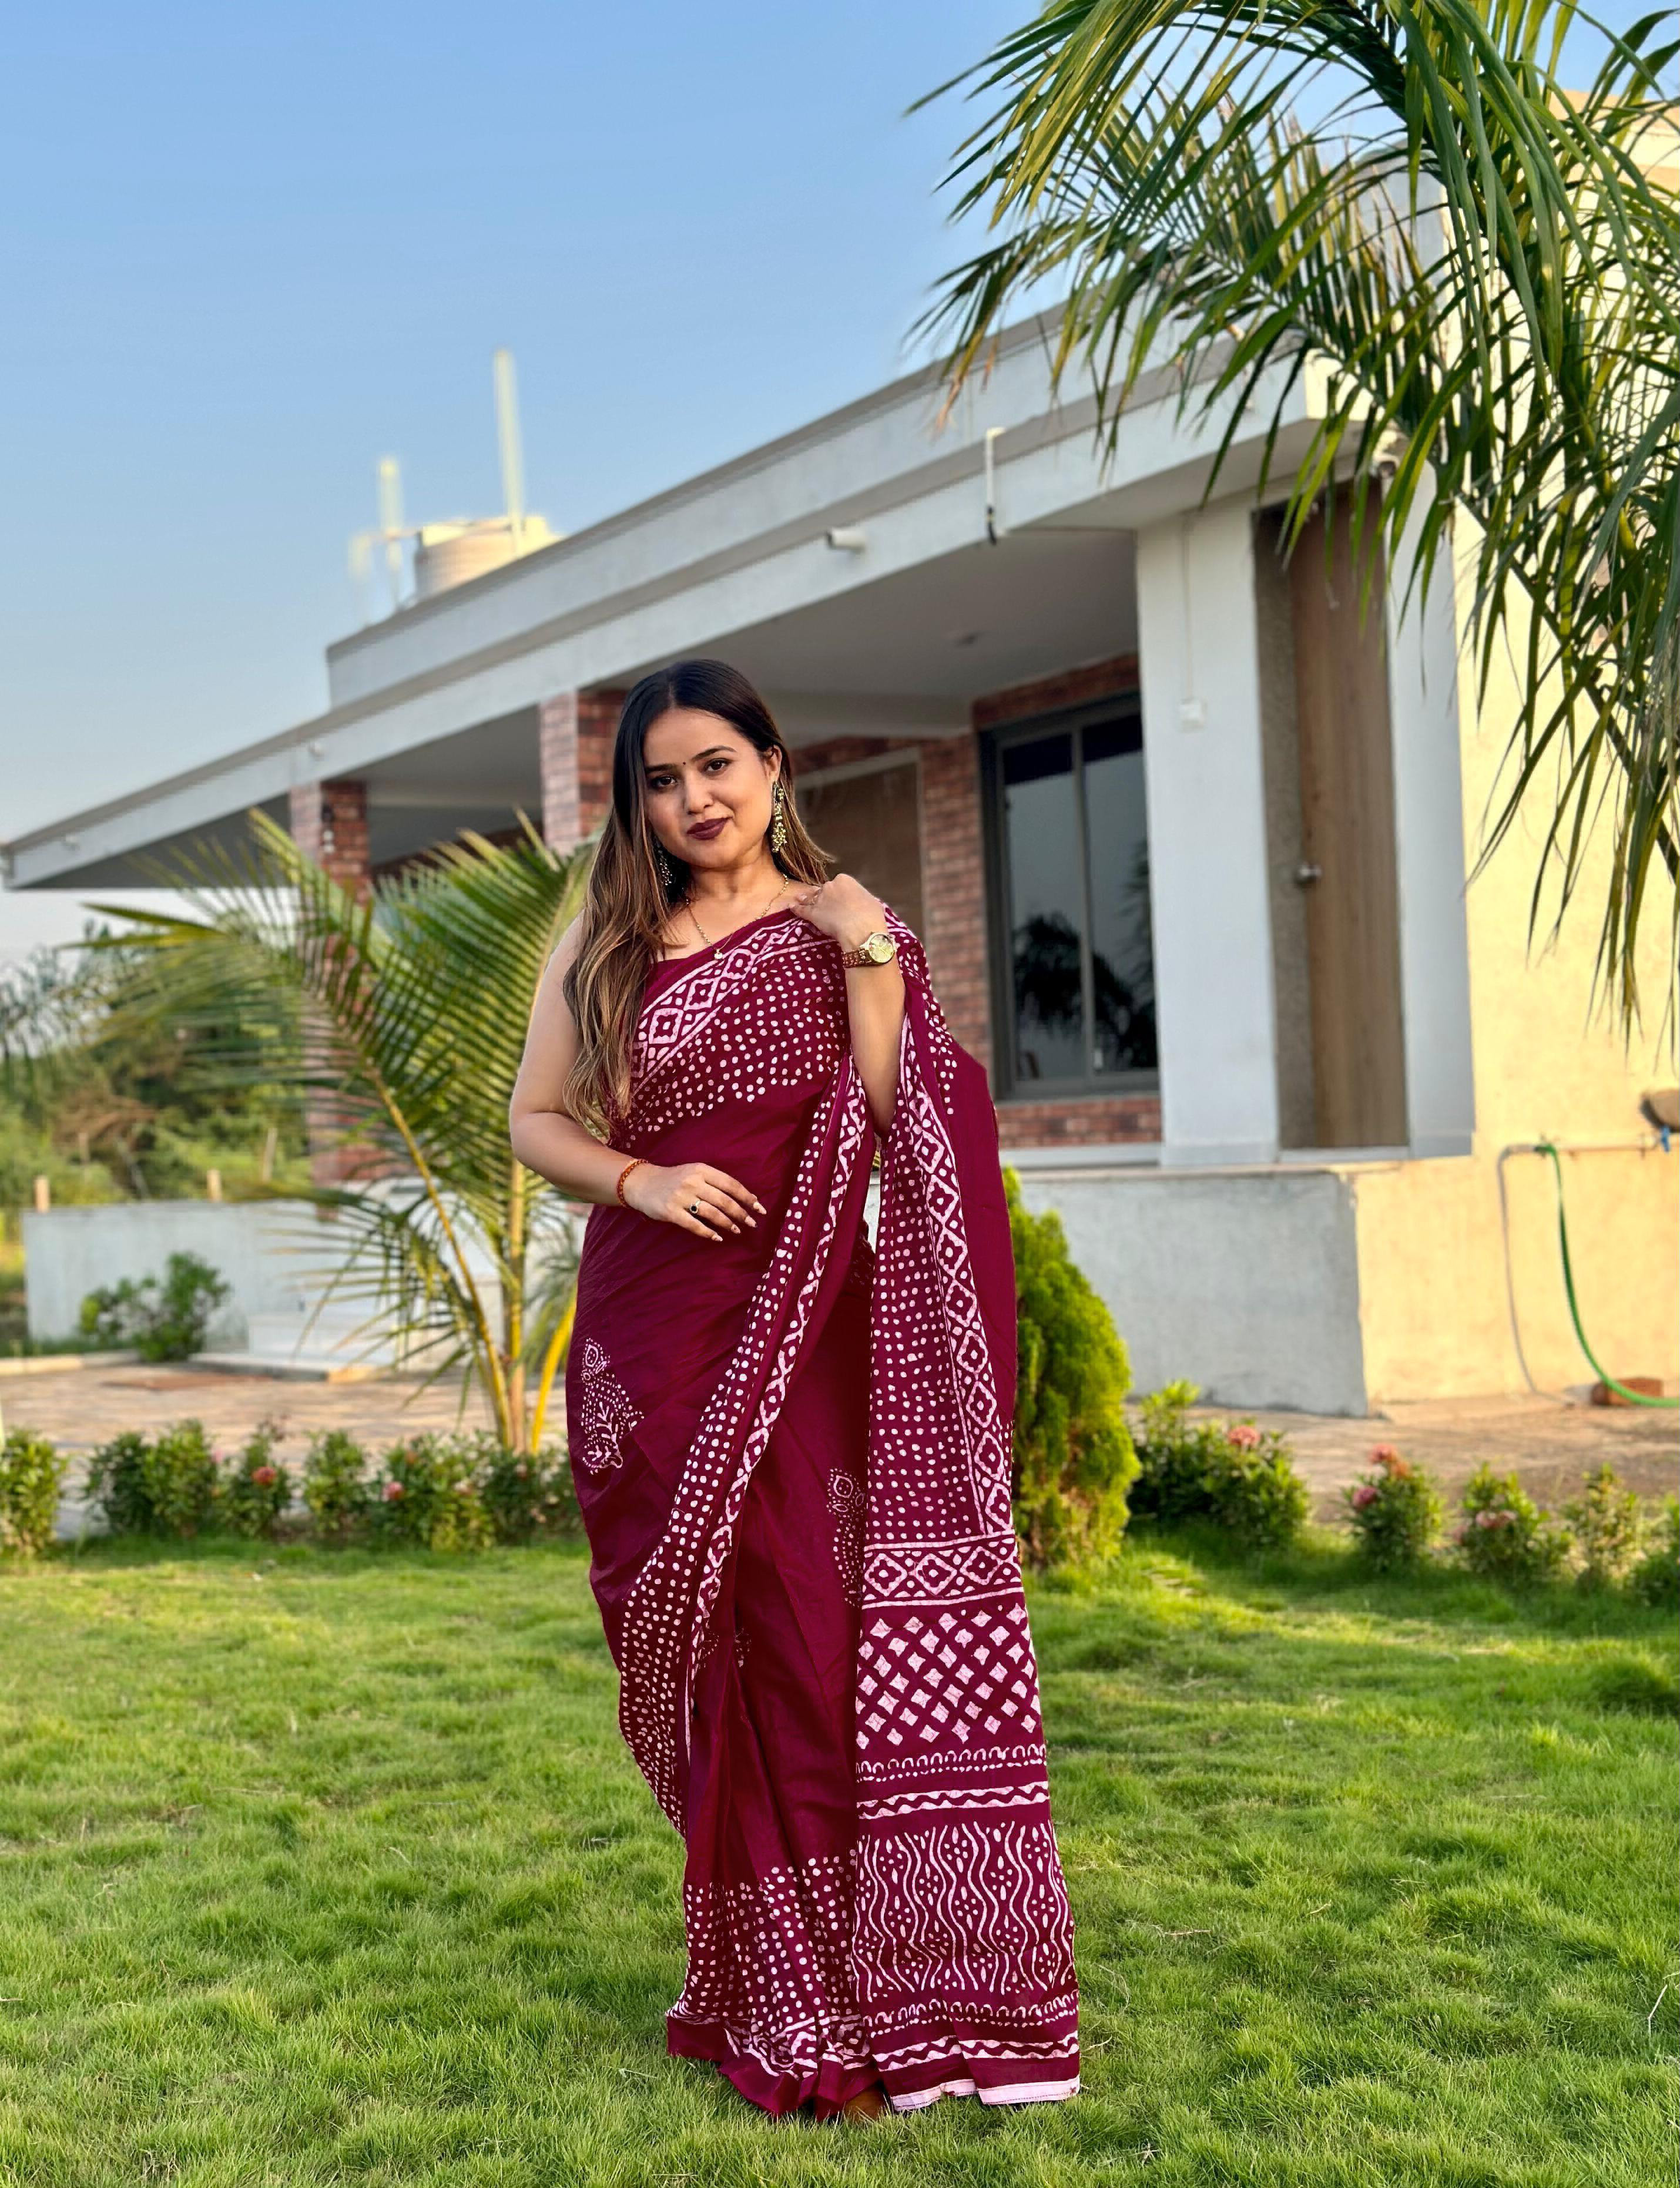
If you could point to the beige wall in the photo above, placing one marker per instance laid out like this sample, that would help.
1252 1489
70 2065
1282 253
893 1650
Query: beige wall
1549 1062
1434 1309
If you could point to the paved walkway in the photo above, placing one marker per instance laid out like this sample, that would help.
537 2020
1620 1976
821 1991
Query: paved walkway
83 1407
1550 1445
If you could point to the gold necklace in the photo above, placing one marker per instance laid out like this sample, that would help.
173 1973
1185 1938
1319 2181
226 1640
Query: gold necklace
716 948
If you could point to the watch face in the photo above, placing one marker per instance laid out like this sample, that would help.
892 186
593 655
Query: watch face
877 948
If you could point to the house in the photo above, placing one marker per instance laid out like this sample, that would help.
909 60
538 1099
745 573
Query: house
1185 835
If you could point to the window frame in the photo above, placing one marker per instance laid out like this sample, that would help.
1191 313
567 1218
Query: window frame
994 742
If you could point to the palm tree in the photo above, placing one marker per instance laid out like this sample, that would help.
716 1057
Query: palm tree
1479 266
398 1020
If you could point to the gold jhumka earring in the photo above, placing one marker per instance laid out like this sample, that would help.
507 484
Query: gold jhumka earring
778 821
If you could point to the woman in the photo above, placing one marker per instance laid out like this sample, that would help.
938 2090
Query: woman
792 1455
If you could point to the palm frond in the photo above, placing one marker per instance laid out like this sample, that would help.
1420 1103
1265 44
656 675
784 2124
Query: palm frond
400 1022
1482 276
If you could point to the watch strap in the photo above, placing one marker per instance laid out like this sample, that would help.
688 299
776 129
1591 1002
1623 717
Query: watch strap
863 955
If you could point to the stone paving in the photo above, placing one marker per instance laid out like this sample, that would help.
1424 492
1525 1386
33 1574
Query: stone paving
1550 1443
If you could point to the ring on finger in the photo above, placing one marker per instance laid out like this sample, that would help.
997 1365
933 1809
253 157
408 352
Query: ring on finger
693 1207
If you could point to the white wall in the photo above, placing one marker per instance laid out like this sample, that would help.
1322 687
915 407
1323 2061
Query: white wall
260 1248
1198 643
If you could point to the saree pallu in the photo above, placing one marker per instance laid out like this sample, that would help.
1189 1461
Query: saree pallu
792 1453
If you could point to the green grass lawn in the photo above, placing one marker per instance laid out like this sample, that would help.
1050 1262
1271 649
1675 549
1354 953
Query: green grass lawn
327 1868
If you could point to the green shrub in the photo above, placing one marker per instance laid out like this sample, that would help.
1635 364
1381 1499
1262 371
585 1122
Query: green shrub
1231 1472
461 1522
335 1483
1656 1577
1504 1534
165 1321
117 1486
526 1495
256 1488
1074 1459
1605 1519
31 1471
179 1474
430 1495
168 1488
1395 1511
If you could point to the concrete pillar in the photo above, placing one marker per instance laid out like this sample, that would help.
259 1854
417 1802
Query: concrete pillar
575 732
329 823
1428 797
1200 677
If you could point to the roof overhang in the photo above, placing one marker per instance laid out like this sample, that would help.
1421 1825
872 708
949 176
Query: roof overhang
436 707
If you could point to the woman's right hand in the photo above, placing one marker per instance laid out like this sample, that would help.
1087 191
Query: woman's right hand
694 1196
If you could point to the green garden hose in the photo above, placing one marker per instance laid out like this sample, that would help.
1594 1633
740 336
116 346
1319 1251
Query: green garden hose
1633 1398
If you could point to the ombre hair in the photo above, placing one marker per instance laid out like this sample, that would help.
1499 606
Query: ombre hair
627 904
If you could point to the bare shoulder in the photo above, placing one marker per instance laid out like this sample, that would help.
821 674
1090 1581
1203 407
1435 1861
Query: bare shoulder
551 1005
565 953
570 942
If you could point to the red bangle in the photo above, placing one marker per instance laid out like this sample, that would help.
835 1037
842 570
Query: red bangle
637 1163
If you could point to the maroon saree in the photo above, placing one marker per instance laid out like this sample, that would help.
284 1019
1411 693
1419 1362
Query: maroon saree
792 1452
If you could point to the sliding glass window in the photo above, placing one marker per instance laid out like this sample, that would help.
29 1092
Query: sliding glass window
1075 989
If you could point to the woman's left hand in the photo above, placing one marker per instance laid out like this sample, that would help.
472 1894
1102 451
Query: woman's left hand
843 909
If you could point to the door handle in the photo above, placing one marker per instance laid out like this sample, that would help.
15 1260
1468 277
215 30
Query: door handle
1307 874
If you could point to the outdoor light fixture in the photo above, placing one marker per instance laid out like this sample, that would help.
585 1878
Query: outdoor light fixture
849 539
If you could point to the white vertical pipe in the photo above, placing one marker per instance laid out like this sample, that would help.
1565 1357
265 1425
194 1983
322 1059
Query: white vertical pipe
507 436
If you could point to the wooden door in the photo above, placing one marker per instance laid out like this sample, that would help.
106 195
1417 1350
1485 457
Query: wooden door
1347 871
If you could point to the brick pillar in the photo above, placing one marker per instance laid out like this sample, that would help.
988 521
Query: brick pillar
329 822
575 732
953 889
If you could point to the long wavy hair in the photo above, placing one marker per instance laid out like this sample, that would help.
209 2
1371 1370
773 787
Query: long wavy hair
628 902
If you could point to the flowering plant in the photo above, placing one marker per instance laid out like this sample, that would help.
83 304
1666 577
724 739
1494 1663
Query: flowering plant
255 1491
527 1494
1231 1472
430 1495
1395 1511
1504 1534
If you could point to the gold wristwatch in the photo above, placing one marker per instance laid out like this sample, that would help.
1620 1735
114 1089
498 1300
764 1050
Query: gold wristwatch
877 949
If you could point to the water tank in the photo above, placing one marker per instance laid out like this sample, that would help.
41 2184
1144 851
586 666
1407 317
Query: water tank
448 554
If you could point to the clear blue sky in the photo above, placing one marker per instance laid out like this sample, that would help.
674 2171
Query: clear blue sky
248 250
